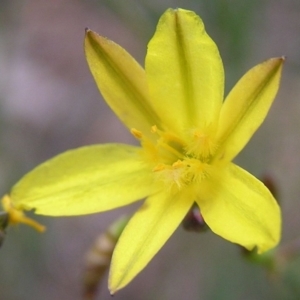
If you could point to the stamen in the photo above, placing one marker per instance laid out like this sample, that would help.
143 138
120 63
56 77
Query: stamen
136 133
171 176
159 167
17 216
202 145
154 129
171 150
178 164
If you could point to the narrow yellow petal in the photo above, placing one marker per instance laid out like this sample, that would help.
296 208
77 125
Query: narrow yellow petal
185 72
121 81
246 107
238 207
144 235
85 180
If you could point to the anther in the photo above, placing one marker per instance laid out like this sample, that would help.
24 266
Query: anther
159 167
154 129
136 133
177 164
16 216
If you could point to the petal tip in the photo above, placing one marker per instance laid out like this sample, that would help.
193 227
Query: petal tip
112 289
278 60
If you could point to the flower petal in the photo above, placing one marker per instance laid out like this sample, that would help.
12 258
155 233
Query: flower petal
85 180
238 207
246 107
185 72
146 232
122 82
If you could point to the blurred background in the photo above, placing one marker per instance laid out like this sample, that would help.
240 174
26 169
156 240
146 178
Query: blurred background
49 103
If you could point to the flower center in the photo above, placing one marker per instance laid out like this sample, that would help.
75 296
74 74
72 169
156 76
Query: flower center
178 162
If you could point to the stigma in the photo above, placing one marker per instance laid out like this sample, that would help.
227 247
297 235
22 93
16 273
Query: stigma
202 144
174 161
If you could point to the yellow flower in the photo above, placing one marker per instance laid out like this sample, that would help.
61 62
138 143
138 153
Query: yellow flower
188 139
